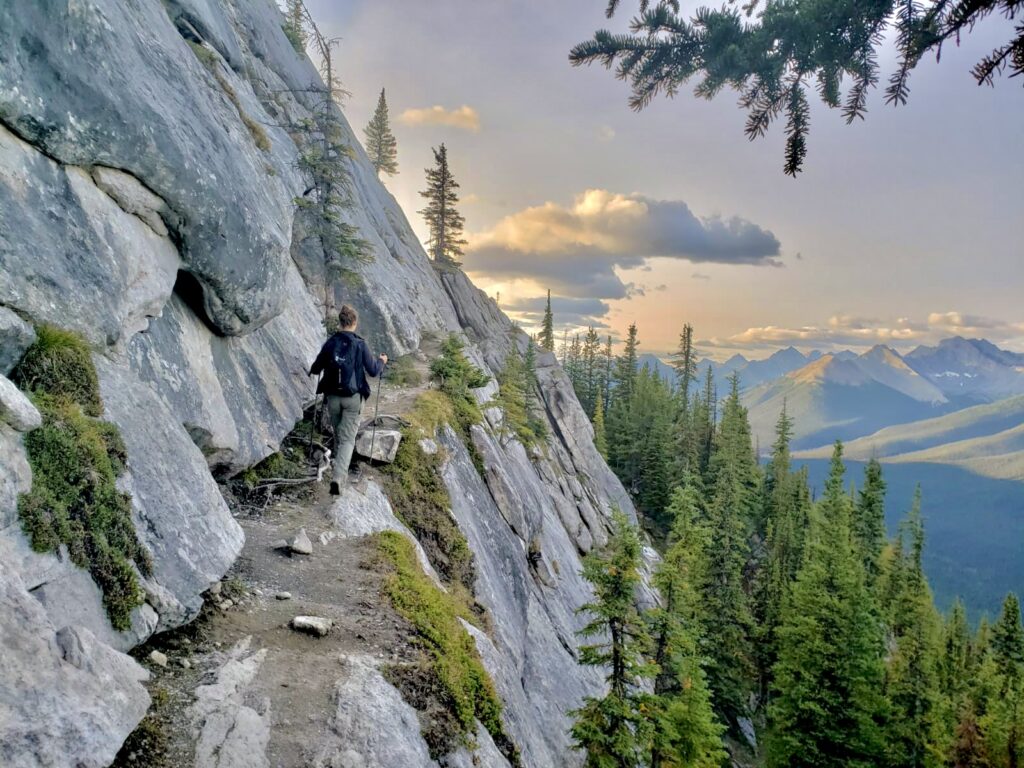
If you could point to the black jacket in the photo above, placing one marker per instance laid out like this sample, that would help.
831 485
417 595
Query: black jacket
366 363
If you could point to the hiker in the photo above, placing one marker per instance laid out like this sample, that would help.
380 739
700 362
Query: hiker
344 362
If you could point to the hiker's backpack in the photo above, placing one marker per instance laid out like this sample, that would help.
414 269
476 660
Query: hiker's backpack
341 368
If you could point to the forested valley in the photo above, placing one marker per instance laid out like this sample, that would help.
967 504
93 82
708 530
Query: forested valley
793 630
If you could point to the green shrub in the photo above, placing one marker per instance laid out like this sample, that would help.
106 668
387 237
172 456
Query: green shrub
465 688
76 460
456 376
454 370
517 381
59 362
74 501
294 37
289 464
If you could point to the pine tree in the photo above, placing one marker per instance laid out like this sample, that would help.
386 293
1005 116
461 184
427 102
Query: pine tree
600 438
869 520
785 512
590 364
684 361
684 729
381 145
295 25
622 426
651 454
323 158
610 729
770 59
729 623
957 662
547 332
607 360
443 219
704 419
826 705
626 365
1000 689
1007 644
912 673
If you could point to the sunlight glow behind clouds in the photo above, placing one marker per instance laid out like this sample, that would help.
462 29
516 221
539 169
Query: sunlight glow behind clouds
575 249
464 117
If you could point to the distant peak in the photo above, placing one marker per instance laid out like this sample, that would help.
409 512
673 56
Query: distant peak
788 352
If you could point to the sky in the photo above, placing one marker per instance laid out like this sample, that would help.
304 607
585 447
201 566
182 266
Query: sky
904 228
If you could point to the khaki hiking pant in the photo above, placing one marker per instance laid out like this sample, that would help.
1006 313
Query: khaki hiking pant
345 413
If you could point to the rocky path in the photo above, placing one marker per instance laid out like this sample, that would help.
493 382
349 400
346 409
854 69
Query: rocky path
257 692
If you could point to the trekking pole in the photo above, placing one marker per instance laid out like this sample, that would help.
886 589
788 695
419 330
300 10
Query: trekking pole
376 410
312 428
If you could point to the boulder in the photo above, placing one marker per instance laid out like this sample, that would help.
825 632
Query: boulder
16 336
380 446
66 699
102 272
16 409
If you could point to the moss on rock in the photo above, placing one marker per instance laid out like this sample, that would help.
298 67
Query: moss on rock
453 667
74 501
76 460
420 500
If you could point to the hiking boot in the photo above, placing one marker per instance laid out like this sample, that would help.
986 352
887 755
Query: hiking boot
335 489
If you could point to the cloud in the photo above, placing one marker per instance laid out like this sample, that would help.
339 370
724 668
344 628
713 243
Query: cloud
464 117
854 331
958 324
570 312
576 249
605 134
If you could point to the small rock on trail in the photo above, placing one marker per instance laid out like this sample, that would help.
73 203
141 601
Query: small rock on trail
158 658
311 625
301 545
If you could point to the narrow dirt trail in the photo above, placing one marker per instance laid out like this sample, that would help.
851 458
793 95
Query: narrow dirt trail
339 582
293 689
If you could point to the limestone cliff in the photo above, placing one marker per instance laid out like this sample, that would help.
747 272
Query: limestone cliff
140 207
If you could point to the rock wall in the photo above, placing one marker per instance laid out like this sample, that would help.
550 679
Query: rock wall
138 207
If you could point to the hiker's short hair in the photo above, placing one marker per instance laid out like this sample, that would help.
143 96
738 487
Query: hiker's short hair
348 316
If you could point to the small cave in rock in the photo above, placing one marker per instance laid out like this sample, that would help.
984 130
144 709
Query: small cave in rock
188 288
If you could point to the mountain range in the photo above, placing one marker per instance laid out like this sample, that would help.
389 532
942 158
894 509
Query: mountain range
845 395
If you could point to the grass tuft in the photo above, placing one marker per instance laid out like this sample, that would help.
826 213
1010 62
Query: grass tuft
453 665
59 362
402 372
